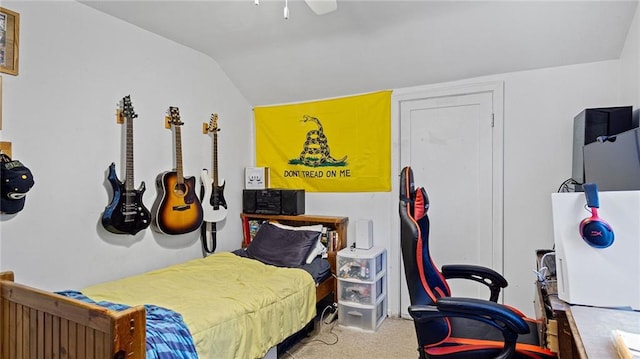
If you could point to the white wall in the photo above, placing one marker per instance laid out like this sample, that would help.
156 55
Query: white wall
539 112
629 68
75 65
59 115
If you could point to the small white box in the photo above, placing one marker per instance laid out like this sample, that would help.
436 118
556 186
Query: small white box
362 264
364 234
361 292
256 177
364 317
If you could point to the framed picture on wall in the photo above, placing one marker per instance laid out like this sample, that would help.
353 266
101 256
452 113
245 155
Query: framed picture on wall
9 33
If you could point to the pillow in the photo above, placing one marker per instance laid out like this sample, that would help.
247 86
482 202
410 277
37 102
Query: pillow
280 246
319 248
315 227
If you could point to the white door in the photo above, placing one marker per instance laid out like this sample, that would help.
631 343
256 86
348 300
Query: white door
453 146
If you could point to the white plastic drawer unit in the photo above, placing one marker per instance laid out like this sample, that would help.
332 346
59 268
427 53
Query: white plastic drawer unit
357 291
362 264
363 317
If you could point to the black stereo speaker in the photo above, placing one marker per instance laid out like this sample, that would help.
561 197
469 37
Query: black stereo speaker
593 123
249 201
292 202
273 201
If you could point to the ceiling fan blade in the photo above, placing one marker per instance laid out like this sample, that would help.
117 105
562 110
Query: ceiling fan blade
321 7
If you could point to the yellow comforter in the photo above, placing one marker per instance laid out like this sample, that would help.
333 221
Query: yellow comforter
234 307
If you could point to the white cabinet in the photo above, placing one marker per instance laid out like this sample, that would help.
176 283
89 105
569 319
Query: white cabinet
362 287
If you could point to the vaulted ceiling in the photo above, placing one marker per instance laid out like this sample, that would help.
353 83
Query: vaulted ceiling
373 45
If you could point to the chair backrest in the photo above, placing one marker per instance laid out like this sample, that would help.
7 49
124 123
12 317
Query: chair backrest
424 280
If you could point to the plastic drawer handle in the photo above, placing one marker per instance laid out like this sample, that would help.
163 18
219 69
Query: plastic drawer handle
357 314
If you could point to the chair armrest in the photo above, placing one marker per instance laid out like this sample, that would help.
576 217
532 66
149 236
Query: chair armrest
480 307
510 323
487 276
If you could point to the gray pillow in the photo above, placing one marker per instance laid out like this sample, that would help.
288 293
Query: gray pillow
281 247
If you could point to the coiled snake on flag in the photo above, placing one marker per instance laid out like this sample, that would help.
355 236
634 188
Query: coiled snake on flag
316 149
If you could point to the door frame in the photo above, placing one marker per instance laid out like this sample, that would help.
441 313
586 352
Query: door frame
496 89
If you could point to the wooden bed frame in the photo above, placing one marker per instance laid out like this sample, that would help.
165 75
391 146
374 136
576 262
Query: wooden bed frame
44 325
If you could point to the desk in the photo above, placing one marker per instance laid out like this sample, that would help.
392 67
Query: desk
575 331
591 329
554 331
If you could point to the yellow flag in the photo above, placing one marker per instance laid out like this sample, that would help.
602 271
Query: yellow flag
335 145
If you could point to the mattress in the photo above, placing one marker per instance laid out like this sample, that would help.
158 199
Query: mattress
234 307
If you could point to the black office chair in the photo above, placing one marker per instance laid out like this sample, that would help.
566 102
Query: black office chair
450 327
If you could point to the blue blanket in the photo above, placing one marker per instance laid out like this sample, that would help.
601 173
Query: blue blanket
167 335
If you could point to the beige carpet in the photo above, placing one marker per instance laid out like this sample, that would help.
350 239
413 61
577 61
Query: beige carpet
396 338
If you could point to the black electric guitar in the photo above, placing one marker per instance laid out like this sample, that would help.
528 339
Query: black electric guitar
212 193
126 214
176 209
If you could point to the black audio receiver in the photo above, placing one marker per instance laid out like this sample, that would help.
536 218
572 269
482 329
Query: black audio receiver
273 201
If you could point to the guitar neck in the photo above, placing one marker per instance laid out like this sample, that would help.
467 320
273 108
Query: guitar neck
179 171
129 184
214 166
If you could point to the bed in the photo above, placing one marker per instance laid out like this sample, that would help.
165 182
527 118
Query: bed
249 314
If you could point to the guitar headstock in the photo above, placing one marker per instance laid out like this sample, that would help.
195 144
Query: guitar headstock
212 126
173 118
125 110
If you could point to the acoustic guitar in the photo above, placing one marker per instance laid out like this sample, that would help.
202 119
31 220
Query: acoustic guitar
126 214
176 209
212 193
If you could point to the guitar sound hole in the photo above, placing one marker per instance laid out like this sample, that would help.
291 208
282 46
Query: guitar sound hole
180 189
